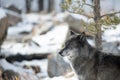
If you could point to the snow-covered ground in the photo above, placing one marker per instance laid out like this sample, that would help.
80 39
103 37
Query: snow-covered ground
111 35
49 42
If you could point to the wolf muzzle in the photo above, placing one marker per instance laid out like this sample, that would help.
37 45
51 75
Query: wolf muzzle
61 53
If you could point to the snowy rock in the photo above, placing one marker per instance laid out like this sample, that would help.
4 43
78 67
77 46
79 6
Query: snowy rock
76 22
57 66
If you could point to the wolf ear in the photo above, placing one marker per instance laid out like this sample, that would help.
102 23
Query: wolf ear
82 37
73 33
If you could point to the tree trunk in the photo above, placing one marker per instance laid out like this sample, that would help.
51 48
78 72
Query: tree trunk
3 29
98 38
51 5
28 4
0 3
40 5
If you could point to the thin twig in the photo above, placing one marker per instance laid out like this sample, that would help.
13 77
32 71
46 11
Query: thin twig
89 5
88 16
110 14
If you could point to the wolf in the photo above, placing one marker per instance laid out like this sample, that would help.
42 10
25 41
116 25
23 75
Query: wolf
90 63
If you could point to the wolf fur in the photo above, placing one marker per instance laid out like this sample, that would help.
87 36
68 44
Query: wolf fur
89 63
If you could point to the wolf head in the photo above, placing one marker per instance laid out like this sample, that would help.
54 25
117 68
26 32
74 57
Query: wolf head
76 46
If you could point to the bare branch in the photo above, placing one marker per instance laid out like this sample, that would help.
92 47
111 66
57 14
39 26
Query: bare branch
84 14
110 14
89 5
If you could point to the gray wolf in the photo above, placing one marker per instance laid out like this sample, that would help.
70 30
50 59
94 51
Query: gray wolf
89 63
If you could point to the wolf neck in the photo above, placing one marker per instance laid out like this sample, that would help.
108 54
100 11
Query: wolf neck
84 63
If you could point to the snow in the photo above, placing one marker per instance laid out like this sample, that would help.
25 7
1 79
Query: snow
8 66
26 73
112 35
2 13
91 42
119 47
56 36
41 63
31 18
21 27
61 78
50 42
60 16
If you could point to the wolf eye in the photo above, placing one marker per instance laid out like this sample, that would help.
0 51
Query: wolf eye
63 46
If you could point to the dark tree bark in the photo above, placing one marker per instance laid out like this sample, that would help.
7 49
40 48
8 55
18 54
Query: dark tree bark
28 4
3 29
97 17
40 5
20 57
51 5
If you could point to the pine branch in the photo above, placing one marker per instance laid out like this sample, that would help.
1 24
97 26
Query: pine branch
110 14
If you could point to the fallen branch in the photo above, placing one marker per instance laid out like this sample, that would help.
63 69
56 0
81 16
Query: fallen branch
20 57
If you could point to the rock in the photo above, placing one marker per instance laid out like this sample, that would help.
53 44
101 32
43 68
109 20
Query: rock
57 66
10 75
74 23
78 22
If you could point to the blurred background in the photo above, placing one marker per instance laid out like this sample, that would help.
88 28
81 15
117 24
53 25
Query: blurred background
32 32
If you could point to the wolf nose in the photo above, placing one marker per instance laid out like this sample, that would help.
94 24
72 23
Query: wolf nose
61 53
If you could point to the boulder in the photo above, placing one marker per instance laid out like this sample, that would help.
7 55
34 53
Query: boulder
57 66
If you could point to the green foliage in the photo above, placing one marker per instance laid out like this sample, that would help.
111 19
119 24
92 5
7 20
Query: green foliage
89 27
107 20
75 6
79 9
